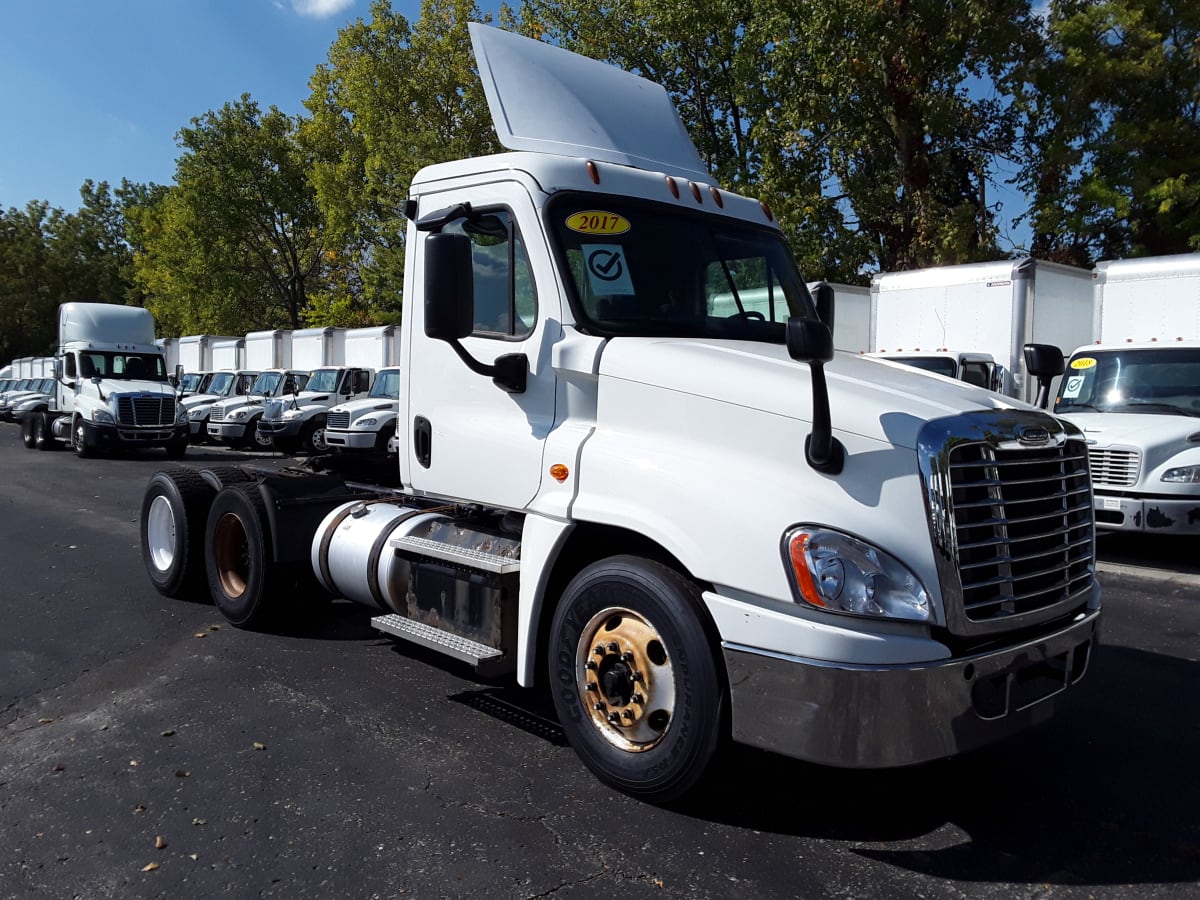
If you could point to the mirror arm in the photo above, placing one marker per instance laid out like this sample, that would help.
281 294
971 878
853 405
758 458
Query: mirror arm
510 372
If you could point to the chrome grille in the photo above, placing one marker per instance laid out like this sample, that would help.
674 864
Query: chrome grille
217 414
1114 468
339 421
154 410
1011 521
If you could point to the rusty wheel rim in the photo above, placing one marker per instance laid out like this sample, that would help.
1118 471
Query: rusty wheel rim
231 555
625 679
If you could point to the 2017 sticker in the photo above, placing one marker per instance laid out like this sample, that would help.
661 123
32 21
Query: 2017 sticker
596 222
1084 362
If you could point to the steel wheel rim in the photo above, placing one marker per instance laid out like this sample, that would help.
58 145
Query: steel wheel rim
318 439
160 533
626 682
231 555
80 435
261 439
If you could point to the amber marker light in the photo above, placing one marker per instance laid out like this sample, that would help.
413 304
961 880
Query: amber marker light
804 579
593 172
559 472
716 195
767 211
674 186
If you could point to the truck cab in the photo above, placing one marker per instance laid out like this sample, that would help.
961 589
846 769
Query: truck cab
367 424
221 385
298 420
234 421
1138 405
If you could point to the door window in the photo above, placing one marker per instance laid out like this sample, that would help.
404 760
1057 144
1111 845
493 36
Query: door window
505 300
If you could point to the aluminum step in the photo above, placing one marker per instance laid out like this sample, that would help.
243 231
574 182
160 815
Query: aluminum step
463 556
479 655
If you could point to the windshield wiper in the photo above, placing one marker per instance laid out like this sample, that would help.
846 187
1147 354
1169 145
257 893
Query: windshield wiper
1075 404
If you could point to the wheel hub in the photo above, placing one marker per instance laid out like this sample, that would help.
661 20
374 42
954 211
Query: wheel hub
231 555
626 681
160 533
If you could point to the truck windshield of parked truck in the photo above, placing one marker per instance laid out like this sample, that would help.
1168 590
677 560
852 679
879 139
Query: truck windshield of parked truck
645 269
129 366
220 383
272 384
323 380
190 382
386 386
1162 380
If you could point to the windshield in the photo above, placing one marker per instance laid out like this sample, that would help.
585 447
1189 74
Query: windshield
122 366
220 383
645 269
941 365
190 382
274 384
1159 380
323 380
386 386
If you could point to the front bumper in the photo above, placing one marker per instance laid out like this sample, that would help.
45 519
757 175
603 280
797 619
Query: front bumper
1163 515
865 716
352 440
281 429
108 436
227 432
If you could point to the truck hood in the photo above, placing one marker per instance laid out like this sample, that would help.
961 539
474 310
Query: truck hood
873 398
115 387
364 405
194 400
1105 429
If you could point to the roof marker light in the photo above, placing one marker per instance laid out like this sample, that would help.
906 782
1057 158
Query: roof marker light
593 172
716 195
767 211
673 186
696 191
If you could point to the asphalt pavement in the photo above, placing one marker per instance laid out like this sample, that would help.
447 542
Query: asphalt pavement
149 750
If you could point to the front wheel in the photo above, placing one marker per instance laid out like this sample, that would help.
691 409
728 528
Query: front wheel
27 431
176 449
256 439
312 438
79 439
635 677
40 427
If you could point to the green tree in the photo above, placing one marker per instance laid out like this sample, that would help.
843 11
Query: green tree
391 98
29 291
238 242
1113 134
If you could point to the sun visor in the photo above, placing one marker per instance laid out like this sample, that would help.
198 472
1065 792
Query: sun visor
548 100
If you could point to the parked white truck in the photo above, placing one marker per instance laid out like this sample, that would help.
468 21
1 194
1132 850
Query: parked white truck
234 420
690 527
971 322
223 385
1136 395
111 385
195 355
367 424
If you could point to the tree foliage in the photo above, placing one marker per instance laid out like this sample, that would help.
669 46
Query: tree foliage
237 242
1114 134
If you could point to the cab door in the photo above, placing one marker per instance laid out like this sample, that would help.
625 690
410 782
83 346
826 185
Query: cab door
467 438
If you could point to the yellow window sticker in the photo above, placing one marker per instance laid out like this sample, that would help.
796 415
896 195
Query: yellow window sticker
1084 362
595 222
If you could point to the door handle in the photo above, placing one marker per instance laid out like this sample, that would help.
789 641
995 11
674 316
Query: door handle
422 440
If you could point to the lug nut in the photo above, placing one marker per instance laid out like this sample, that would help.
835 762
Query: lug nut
628 713
590 687
638 698
614 718
613 647
590 665
599 707
598 649
627 656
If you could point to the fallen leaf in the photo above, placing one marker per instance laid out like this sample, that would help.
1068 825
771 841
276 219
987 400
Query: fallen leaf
180 773
214 627
139 808
60 768
258 745
160 843
134 762
149 867
201 634
168 733
199 821
45 721
193 856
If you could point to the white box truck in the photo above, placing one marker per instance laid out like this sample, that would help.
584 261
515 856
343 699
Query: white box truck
1135 393
229 355
690 527
195 356
972 321
112 390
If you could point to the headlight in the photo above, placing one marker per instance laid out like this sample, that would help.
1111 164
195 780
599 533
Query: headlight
1183 475
365 423
100 414
836 572
238 414
181 415
292 414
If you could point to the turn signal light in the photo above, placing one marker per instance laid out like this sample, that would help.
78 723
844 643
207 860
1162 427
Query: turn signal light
559 472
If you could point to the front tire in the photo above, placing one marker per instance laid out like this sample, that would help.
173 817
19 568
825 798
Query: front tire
635 678
176 449
27 431
312 438
79 439
41 432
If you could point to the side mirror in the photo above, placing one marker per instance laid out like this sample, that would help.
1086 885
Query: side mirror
823 295
449 287
811 341
178 375
1045 363
58 368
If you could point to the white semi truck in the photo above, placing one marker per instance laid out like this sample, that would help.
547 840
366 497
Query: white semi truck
691 527
367 424
1135 393
972 321
111 386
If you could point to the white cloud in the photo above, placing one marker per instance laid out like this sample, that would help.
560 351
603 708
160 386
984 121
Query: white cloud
320 9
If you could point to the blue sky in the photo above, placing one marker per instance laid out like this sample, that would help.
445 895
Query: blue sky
98 88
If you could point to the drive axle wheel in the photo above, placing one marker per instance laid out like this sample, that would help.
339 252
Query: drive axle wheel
242 576
635 677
